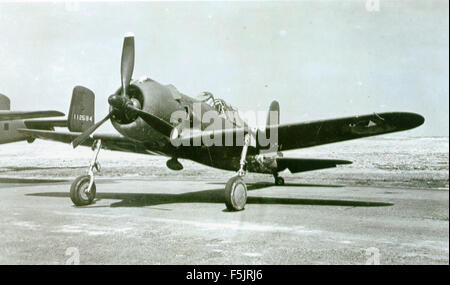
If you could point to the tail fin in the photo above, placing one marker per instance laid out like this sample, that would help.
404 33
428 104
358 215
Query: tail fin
82 109
273 117
5 103
269 136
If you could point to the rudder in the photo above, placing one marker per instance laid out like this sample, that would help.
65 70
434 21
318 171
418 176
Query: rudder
82 109
5 103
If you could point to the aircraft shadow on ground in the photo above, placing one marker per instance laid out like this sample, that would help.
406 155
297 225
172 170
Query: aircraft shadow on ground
30 180
268 184
28 168
210 196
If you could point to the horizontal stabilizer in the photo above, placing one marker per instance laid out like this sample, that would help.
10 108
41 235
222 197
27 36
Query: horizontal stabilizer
296 165
19 115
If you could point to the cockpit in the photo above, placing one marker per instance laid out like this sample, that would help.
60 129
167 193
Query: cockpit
219 104
223 108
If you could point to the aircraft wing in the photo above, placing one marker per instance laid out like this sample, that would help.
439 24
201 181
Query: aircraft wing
109 141
296 165
19 115
301 135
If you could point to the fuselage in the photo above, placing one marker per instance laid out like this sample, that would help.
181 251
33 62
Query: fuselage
167 103
9 133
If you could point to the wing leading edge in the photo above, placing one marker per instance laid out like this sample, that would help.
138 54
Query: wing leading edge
293 136
110 142
301 135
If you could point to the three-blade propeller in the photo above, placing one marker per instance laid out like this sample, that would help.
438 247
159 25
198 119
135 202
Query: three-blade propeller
122 103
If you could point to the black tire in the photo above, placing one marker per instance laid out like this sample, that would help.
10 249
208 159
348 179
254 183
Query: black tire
279 181
77 194
235 194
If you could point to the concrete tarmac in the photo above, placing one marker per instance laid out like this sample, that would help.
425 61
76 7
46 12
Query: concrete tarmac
145 221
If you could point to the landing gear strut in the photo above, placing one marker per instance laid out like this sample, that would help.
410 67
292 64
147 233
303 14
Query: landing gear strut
83 190
236 189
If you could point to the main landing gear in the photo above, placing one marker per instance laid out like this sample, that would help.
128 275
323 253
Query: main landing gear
83 190
236 189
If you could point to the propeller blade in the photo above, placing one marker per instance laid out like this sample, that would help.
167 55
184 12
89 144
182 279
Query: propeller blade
155 122
127 62
85 135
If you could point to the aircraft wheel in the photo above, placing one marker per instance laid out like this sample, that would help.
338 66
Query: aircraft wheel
235 194
78 191
279 181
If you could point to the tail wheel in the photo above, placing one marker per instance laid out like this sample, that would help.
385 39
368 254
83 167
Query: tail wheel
78 191
279 181
235 194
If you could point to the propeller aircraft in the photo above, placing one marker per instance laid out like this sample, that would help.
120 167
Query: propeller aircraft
11 121
152 118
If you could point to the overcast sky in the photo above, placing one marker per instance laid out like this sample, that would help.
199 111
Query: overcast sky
319 59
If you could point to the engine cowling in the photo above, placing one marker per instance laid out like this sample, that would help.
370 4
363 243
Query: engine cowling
151 97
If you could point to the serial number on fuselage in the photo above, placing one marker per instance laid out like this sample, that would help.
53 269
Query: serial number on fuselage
80 117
